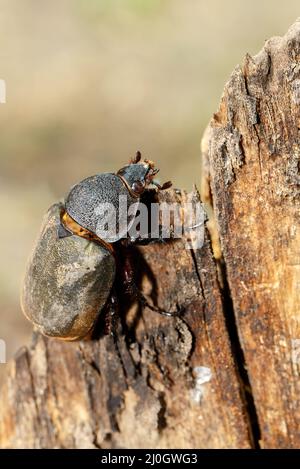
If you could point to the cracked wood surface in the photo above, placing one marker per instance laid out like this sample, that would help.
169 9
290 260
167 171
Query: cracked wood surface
149 391
252 174
181 382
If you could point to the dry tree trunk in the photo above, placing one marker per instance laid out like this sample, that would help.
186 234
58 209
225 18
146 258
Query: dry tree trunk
253 177
139 394
169 383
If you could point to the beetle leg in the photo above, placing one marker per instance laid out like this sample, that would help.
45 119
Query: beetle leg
137 241
148 238
111 314
144 241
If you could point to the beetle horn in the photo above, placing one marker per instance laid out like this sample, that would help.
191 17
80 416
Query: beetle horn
136 158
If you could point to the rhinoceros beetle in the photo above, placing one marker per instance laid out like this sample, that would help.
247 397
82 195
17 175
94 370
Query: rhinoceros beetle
71 272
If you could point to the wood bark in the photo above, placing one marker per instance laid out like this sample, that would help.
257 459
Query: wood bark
253 178
226 373
140 390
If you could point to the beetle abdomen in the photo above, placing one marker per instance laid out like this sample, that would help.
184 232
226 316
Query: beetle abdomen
67 281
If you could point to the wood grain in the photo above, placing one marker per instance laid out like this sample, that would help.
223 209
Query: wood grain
226 373
253 175
147 389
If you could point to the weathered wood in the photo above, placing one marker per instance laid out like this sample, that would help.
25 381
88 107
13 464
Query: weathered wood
181 382
146 390
252 161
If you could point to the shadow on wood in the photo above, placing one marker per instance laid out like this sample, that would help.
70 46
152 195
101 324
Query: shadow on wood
225 374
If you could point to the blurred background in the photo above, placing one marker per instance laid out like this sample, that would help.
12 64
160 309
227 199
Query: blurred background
91 81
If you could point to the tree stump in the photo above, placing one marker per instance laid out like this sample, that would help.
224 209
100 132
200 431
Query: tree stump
226 373
252 161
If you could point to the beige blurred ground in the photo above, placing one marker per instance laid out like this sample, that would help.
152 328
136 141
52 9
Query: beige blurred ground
89 82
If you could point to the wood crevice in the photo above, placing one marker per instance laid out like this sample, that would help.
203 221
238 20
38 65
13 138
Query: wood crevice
239 357
225 375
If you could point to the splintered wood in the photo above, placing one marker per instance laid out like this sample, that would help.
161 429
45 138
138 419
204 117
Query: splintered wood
253 171
225 374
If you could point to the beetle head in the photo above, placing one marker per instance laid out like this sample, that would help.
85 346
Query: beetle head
139 174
